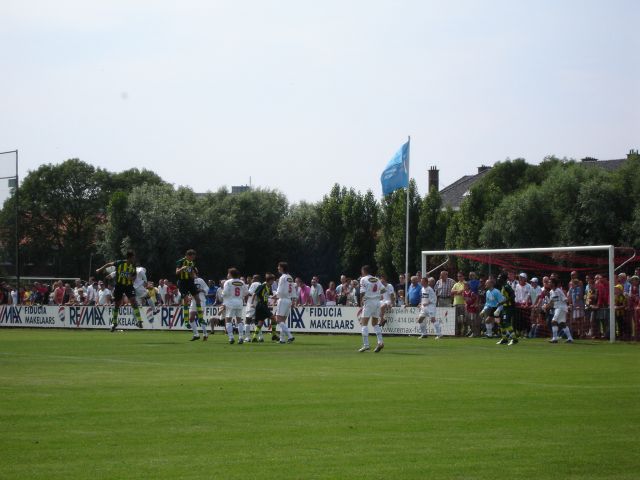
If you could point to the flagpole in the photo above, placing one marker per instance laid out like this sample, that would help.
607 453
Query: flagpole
406 252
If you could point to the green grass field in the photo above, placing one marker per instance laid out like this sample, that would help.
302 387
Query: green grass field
90 404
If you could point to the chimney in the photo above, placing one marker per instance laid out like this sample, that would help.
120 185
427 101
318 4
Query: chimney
434 178
483 168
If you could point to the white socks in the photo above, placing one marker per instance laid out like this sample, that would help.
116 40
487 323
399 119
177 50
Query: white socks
229 327
489 329
378 330
567 332
423 327
241 329
284 331
438 327
554 332
194 327
365 336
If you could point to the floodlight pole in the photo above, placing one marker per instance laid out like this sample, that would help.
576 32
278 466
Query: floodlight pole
17 239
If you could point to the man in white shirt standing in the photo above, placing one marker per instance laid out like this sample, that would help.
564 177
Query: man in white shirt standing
428 307
234 293
92 291
371 290
104 294
285 292
317 293
558 301
388 299
250 310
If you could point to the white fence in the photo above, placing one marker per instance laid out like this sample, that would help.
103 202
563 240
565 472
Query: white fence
338 319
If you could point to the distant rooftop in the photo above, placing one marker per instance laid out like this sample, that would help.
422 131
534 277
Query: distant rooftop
454 194
609 165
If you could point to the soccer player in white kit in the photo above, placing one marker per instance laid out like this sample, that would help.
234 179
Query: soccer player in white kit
388 299
250 311
285 292
233 294
203 288
428 308
558 301
371 290
140 287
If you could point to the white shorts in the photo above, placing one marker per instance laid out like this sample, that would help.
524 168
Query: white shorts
141 292
250 311
371 309
385 302
233 312
283 307
193 307
559 316
427 311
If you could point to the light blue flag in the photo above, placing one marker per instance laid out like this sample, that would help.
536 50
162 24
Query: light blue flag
396 173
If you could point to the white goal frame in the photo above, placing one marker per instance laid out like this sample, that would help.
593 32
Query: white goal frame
608 248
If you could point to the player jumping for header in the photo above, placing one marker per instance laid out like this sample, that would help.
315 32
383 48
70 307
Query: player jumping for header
186 272
125 272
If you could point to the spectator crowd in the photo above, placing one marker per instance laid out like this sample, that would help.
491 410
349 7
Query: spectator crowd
587 299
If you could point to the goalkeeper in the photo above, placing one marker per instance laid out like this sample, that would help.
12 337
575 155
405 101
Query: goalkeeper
492 307
507 310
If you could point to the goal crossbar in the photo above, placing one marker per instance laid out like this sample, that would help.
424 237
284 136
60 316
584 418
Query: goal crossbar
608 248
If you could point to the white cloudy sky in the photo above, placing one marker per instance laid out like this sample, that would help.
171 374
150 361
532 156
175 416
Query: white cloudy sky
300 94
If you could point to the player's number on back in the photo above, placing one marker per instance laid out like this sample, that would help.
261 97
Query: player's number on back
237 291
375 287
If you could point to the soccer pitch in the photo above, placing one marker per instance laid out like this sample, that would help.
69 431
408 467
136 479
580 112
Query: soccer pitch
90 404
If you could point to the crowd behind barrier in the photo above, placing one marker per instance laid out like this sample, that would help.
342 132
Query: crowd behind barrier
587 299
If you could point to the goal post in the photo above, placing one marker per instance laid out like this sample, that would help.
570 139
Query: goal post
608 248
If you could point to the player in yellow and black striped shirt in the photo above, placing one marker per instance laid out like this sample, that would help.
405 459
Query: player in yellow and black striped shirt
186 272
125 274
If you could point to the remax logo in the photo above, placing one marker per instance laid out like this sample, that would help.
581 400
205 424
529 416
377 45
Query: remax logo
295 318
171 317
9 314
79 316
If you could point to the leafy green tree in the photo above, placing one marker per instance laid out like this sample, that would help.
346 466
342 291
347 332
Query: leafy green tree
432 224
390 248
60 208
360 227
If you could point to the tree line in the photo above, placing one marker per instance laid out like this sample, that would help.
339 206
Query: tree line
74 216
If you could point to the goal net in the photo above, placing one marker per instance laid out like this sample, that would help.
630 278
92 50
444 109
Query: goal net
600 283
